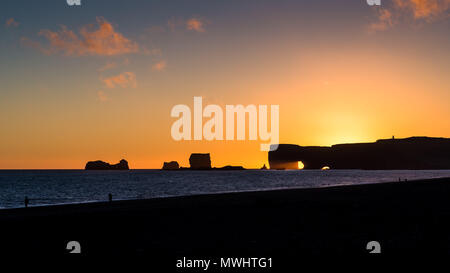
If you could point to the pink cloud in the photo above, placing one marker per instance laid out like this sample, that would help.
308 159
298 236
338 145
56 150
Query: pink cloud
159 66
425 9
195 25
384 21
400 10
12 23
123 80
192 24
103 41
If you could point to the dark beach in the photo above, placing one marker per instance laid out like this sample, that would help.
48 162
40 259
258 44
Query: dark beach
404 217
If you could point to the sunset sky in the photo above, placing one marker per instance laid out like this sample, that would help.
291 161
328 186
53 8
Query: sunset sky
98 81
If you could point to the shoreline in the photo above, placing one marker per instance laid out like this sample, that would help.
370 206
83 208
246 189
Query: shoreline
406 217
206 195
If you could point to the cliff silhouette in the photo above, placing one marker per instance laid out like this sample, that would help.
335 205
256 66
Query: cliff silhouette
100 165
414 153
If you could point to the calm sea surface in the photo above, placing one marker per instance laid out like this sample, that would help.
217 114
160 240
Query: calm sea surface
45 187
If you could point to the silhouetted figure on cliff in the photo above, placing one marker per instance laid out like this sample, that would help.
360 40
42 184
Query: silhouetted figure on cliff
110 197
27 201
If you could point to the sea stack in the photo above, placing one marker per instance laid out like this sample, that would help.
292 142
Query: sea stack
200 161
100 165
172 165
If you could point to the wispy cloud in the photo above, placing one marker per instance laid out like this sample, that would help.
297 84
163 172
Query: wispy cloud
103 40
404 10
102 97
123 80
11 22
33 44
384 21
173 23
159 66
195 24
425 9
112 65
107 66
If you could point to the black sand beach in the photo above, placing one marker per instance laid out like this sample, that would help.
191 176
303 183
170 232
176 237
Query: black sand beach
404 217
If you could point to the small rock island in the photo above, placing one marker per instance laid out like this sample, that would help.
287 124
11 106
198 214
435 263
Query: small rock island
172 165
101 165
198 161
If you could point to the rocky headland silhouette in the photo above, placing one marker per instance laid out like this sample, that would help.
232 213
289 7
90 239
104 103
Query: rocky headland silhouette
101 165
412 153
198 161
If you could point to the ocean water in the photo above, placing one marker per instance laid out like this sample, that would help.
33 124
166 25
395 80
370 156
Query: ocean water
46 187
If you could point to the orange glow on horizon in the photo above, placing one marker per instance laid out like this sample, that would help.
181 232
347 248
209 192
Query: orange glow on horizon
103 90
